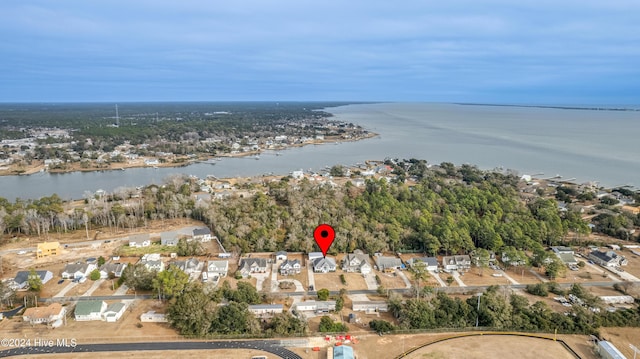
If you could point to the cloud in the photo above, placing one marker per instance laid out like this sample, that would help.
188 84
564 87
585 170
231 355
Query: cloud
285 49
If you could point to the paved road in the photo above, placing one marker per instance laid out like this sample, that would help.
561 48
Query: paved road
270 346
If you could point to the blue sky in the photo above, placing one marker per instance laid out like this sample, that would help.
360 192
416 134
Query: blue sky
499 51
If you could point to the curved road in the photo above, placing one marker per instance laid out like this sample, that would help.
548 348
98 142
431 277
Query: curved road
270 346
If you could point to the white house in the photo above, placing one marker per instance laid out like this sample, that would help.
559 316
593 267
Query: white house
44 315
252 265
90 310
316 306
188 266
289 267
324 265
115 268
356 262
281 256
202 234
217 269
77 270
113 312
152 261
370 306
429 263
139 240
608 258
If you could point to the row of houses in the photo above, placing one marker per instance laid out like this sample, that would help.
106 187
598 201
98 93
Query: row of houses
201 234
86 310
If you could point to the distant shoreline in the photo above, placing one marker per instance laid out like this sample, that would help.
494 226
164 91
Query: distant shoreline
586 108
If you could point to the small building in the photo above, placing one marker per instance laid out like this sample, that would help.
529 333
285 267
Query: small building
370 306
169 239
153 317
429 263
388 264
47 249
115 268
357 262
87 310
281 256
21 279
562 249
617 299
114 312
252 265
152 262
324 265
316 306
343 352
265 310
609 351
608 258
202 234
217 269
140 240
290 267
77 270
44 315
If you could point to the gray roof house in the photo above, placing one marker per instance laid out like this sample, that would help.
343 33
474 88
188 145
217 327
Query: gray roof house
607 259
22 278
202 234
289 267
265 310
77 270
217 268
386 264
140 240
252 265
324 265
115 268
430 263
114 312
356 262
281 256
169 239
188 266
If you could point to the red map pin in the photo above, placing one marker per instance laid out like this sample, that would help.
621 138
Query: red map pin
324 236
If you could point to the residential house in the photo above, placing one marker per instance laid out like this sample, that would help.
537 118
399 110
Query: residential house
370 306
90 310
252 265
265 310
47 249
449 263
565 254
281 256
324 265
429 263
188 266
357 262
44 315
21 280
202 234
139 240
290 267
512 261
152 261
77 270
316 306
169 239
463 262
217 269
315 255
115 268
113 312
608 258
388 264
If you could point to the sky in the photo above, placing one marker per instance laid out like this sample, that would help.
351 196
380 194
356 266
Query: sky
491 51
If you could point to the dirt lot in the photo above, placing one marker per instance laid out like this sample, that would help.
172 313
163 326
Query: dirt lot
332 281
472 278
634 262
584 275
167 354
389 280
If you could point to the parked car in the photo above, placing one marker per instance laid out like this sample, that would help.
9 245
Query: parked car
61 281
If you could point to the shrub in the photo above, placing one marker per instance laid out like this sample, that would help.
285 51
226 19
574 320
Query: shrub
539 289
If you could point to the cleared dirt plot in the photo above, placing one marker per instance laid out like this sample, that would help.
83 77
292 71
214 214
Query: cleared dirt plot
472 278
522 275
331 281
482 347
584 275
633 267
392 280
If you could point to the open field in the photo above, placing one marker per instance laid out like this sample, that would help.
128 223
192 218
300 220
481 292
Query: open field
481 347
168 354
634 262
391 280
471 278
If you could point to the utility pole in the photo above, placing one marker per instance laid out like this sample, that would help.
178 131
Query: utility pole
478 310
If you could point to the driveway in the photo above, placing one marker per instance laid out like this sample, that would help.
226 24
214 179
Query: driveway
274 278
312 279
456 277
64 290
260 277
437 277
370 280
93 288
407 283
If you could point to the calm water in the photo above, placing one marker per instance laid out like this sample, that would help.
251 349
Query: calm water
589 145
